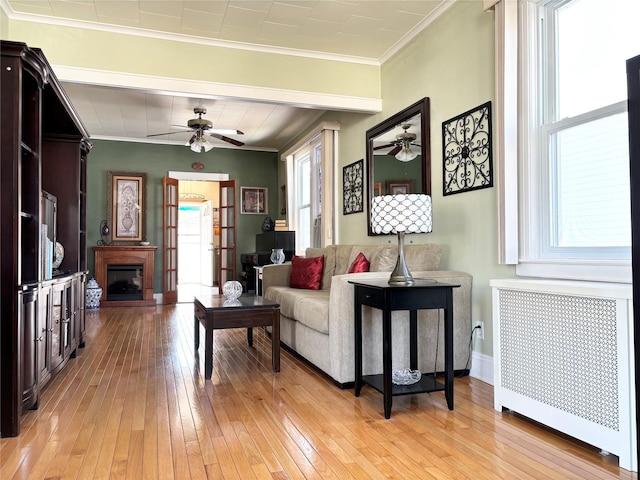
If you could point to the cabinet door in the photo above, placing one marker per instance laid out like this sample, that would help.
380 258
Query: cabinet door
28 330
80 299
44 335
67 325
57 317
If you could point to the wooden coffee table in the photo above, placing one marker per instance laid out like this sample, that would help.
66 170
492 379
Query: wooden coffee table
214 312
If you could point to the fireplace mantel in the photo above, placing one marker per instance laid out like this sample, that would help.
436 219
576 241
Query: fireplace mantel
126 255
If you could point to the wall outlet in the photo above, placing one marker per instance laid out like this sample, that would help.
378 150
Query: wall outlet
480 331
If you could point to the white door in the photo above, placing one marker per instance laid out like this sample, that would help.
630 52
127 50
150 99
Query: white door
206 243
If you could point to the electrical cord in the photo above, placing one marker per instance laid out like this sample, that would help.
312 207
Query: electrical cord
466 367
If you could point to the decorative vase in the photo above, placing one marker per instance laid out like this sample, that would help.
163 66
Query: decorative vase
232 289
277 255
93 295
268 225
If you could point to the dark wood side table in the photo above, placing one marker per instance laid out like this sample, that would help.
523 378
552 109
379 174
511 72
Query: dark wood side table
214 312
424 294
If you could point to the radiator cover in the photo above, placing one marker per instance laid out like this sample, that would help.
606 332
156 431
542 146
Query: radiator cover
563 356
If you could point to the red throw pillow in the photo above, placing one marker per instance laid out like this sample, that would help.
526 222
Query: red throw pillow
306 272
360 264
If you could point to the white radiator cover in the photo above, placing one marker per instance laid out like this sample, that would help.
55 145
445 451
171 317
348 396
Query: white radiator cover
563 356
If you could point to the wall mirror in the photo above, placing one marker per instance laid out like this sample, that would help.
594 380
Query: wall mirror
399 154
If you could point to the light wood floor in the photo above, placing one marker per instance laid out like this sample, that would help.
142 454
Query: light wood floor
134 405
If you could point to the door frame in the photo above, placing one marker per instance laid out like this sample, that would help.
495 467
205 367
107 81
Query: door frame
198 176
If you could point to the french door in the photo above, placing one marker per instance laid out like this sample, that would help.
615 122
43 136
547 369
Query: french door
227 268
169 240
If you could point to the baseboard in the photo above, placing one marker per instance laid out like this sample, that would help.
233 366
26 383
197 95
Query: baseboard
482 367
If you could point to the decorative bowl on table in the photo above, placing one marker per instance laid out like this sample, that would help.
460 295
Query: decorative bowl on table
232 289
405 376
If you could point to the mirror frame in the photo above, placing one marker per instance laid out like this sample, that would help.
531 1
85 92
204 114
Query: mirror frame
420 107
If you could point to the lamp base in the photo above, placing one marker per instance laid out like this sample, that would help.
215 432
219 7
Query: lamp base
401 275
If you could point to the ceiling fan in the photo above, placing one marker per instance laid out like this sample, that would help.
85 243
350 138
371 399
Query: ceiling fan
402 145
201 129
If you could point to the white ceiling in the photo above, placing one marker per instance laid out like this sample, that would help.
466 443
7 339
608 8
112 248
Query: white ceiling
364 31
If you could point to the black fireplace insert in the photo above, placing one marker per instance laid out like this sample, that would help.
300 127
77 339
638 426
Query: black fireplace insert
124 282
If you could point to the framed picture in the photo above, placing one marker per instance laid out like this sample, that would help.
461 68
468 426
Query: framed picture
466 151
126 206
394 187
352 184
377 189
253 200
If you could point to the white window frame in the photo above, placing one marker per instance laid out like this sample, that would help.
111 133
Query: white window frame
326 135
531 193
309 154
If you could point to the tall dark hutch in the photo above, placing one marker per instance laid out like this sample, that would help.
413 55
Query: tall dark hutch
43 148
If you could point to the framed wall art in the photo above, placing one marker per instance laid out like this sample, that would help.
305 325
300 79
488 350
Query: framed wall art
394 187
352 185
253 200
466 151
126 206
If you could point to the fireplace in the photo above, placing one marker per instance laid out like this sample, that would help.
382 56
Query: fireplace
125 274
124 282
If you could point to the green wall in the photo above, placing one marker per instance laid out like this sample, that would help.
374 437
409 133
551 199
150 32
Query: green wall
248 168
452 63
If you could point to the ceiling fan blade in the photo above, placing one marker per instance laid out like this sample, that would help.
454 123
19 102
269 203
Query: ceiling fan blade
380 147
394 150
226 139
224 131
166 133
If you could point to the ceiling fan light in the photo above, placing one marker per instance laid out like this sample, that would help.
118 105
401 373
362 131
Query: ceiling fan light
207 145
406 154
196 146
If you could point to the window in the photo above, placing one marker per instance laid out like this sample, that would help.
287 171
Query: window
310 186
308 196
575 212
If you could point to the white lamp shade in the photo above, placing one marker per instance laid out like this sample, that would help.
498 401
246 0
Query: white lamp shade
409 213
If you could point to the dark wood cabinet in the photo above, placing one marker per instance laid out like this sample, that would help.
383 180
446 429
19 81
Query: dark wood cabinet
43 146
28 321
44 334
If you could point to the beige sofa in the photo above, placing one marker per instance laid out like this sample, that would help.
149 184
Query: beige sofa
318 324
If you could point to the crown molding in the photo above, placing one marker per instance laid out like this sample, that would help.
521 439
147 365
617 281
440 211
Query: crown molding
178 37
435 13
202 89
140 32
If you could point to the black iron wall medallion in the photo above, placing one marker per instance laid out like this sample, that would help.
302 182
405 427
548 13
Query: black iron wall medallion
466 151
352 185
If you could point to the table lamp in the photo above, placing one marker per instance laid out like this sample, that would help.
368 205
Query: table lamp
400 214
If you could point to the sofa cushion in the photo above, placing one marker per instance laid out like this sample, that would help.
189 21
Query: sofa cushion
417 257
306 273
359 264
329 263
309 307
344 257
313 310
